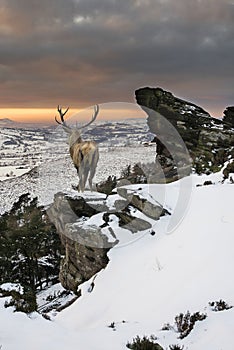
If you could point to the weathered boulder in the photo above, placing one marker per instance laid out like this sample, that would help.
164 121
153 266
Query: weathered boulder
152 208
209 141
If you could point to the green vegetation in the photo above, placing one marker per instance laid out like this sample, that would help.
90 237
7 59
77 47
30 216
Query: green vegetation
186 322
30 250
144 343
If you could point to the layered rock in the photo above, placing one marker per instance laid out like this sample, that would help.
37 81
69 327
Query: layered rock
209 141
152 209
89 227
81 261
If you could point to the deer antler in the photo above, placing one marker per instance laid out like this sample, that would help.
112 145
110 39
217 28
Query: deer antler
96 111
63 123
61 114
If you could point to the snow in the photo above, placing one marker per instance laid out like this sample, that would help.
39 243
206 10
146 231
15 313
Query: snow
12 171
52 297
12 287
149 279
148 282
57 175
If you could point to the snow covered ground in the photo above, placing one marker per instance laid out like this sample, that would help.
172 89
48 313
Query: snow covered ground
21 149
147 283
53 175
45 152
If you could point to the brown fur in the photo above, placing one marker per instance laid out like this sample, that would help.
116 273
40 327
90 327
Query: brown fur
85 156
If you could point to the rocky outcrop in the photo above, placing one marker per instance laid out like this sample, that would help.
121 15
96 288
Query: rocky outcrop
229 117
209 141
81 261
89 228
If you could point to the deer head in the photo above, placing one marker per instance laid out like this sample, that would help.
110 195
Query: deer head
75 132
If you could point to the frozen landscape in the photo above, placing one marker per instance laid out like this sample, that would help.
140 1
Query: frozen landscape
45 152
116 175
147 284
148 281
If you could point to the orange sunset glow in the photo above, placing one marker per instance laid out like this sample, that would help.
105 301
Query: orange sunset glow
108 111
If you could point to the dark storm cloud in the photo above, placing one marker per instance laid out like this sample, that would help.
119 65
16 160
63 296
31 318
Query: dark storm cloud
88 51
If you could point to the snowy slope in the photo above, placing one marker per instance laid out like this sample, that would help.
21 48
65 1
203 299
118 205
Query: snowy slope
146 284
59 174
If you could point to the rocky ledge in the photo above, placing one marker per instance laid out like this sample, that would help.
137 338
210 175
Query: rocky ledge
209 141
89 226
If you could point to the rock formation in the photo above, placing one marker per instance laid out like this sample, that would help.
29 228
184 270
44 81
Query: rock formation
210 141
229 116
89 227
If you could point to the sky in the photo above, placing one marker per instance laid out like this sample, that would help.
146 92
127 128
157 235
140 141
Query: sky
81 52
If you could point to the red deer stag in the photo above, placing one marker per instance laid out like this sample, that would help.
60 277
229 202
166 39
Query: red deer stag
84 154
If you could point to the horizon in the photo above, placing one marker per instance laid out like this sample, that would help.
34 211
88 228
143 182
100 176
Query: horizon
46 115
108 112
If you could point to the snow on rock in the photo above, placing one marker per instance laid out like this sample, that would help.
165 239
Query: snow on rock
149 282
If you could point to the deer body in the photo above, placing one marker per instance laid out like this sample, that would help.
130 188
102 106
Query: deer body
85 157
84 154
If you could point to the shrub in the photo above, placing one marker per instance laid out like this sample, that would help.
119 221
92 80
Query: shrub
206 183
108 185
112 325
134 174
144 344
176 347
185 323
166 327
219 305
25 302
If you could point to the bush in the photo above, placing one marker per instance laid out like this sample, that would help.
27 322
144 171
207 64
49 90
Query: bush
25 302
112 325
185 323
108 185
219 305
167 327
206 183
144 343
175 347
134 174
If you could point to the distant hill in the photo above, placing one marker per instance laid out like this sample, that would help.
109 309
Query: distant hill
6 122
9 123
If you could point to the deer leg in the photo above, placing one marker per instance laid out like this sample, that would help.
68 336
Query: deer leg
86 172
93 167
80 186
79 176
91 176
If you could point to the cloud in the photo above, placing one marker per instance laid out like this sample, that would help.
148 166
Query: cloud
88 51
